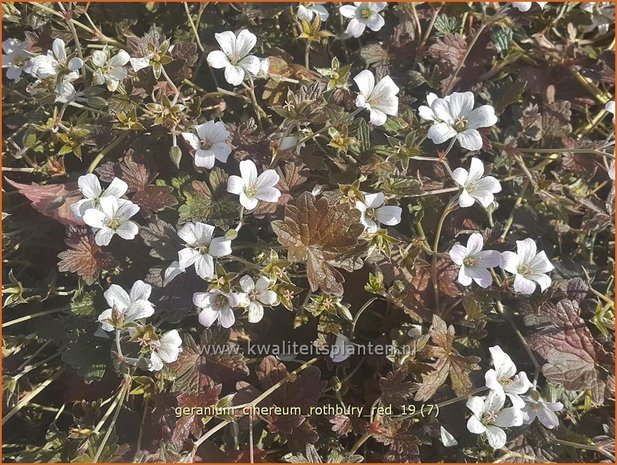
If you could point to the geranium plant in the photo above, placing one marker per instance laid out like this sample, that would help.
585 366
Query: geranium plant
308 232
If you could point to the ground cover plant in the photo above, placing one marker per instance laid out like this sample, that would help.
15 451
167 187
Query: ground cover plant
308 232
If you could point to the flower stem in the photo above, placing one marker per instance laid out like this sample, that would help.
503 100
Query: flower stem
105 151
307 52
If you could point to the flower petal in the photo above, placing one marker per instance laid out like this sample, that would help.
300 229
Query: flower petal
496 436
191 139
476 405
117 297
460 176
117 188
187 257
504 366
523 285
219 247
509 262
246 283
268 194
89 186
138 310
255 312
458 253
389 215
234 75
377 117
365 80
348 11
207 317
103 236
465 200
460 104
268 178
140 291
476 170
470 139
235 184
440 133
248 170
95 218
204 266
509 417
355 28
128 230
218 59
475 243
227 318
245 42
475 426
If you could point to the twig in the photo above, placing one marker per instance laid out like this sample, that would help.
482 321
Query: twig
106 150
33 315
31 395
193 27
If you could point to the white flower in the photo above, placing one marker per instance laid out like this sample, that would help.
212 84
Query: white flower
216 305
307 11
489 417
526 6
474 261
454 116
610 107
611 171
109 70
165 350
112 218
210 143
16 58
363 14
475 187
446 438
57 65
258 295
201 248
234 56
342 349
91 189
528 267
380 99
537 407
504 378
126 309
373 212
252 188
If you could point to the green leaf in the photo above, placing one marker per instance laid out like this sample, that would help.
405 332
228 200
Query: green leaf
210 202
364 136
502 38
86 354
83 303
445 24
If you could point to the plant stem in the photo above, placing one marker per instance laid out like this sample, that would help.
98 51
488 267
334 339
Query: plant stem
460 65
193 27
106 150
31 395
95 32
34 315
307 52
